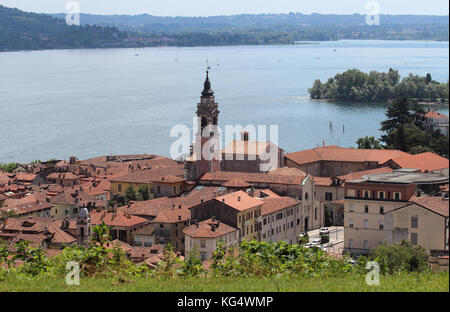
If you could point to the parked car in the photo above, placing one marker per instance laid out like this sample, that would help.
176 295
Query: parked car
324 230
316 241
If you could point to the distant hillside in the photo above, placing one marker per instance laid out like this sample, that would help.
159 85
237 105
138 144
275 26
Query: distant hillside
326 26
29 31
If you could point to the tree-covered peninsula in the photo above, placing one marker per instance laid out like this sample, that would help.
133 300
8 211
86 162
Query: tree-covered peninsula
356 86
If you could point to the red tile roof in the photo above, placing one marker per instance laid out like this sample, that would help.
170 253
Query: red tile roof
236 182
246 147
173 215
253 177
208 229
152 175
152 207
433 114
239 200
425 162
272 205
27 177
119 218
336 153
437 204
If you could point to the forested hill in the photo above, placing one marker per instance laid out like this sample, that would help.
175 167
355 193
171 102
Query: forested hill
277 28
29 31
150 23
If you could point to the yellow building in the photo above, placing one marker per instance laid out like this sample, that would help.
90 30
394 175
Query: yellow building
423 221
238 210
159 183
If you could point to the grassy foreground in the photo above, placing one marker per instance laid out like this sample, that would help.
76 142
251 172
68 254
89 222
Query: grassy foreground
402 282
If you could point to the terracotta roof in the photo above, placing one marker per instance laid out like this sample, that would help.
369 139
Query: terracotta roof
152 207
146 230
253 177
236 182
239 200
437 115
436 204
336 153
28 207
272 205
288 171
60 236
63 176
246 147
322 181
119 218
265 193
27 177
173 215
152 175
208 229
425 162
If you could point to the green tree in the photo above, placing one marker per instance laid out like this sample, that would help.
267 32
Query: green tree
143 193
101 233
368 143
130 194
400 257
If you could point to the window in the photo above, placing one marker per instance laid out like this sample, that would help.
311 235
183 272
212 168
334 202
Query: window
366 208
366 223
414 222
315 213
328 196
174 189
381 195
203 256
381 227
202 243
239 219
119 187
159 189
414 238
264 221
366 244
350 243
366 194
306 196
381 209
397 196
350 223
351 207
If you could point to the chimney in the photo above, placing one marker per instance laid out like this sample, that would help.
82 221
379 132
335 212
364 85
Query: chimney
244 136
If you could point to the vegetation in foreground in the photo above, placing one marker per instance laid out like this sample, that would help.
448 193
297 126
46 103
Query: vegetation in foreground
253 266
399 282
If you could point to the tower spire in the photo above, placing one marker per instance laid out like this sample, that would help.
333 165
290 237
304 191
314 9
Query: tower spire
207 85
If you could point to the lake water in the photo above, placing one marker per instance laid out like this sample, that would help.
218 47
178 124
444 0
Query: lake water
95 102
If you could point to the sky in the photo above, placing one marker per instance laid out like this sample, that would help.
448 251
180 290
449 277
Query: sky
229 7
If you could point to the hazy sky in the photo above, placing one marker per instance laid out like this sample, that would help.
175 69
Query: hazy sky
227 7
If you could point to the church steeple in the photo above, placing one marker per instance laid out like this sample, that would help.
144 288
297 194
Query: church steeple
207 86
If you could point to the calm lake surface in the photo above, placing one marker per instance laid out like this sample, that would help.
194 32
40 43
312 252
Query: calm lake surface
95 102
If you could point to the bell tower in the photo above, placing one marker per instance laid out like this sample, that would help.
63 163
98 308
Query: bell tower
207 136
